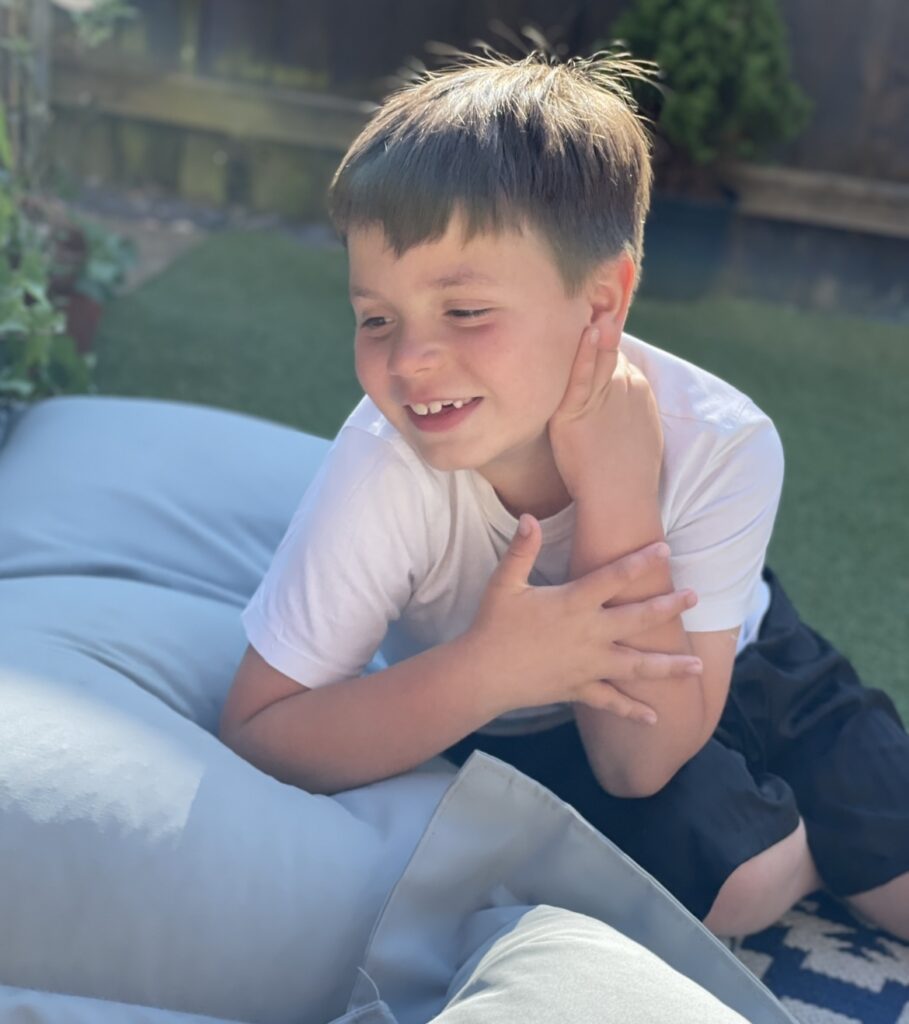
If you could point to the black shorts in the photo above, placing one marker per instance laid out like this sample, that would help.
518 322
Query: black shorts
799 736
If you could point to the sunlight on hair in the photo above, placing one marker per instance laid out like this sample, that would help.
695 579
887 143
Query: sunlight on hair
556 145
611 70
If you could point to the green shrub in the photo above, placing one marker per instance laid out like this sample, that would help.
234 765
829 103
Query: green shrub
37 358
48 257
727 89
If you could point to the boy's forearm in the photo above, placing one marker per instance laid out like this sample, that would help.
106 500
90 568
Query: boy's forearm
360 730
630 758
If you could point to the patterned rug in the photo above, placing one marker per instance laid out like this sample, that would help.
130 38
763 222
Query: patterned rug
827 968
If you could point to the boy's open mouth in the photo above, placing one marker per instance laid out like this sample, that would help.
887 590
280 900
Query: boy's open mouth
441 415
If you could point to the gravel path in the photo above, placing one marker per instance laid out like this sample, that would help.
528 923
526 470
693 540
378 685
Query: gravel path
163 227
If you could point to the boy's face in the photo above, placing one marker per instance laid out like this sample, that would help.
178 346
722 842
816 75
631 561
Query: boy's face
488 321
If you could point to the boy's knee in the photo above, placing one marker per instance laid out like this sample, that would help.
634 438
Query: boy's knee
886 906
762 889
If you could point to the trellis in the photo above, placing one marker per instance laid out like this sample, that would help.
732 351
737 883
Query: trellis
25 45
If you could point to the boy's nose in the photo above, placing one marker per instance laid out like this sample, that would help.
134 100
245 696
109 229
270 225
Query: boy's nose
411 353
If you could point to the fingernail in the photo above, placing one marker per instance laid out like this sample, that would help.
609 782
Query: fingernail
690 598
594 336
650 719
524 526
695 668
661 550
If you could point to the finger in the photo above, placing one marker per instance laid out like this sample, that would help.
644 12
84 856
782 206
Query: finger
603 584
609 360
621 374
605 697
583 371
628 664
628 620
517 561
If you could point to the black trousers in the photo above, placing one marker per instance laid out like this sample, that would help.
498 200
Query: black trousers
800 736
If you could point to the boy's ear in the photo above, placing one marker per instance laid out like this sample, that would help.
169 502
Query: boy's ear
609 293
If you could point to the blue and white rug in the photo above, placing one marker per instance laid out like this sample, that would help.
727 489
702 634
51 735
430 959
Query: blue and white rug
827 968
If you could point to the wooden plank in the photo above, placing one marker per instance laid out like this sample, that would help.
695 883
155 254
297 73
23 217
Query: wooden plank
203 174
274 114
40 38
236 110
828 200
190 21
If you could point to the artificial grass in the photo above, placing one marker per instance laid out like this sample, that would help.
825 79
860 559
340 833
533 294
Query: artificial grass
259 323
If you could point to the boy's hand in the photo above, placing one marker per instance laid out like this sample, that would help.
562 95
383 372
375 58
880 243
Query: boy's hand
606 431
545 645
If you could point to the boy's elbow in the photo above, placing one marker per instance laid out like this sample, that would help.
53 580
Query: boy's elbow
634 783
238 738
231 735
232 726
632 789
637 781
225 730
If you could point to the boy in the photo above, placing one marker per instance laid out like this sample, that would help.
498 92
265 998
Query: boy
494 512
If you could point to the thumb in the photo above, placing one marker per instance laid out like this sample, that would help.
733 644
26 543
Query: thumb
515 565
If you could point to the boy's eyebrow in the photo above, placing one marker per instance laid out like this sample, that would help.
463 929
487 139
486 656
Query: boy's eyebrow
459 277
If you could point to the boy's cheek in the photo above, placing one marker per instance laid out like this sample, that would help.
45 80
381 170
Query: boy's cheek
374 384
366 371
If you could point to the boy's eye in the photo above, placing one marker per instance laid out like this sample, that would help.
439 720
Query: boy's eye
375 322
466 314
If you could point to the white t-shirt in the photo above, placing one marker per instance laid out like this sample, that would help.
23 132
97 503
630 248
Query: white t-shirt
388 554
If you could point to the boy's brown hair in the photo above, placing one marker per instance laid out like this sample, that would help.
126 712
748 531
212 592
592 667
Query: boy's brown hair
556 146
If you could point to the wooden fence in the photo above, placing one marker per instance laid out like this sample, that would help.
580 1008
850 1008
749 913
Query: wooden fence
216 97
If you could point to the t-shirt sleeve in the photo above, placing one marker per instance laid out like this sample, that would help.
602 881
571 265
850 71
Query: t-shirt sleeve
719 538
346 567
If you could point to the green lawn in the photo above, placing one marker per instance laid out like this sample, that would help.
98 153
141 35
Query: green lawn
258 323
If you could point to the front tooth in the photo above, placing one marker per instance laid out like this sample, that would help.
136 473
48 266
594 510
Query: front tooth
420 409
458 403
435 407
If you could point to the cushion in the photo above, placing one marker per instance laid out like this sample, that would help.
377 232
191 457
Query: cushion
28 1006
173 494
145 865
499 844
552 964
140 859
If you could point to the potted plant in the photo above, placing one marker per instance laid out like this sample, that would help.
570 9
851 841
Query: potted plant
88 265
725 88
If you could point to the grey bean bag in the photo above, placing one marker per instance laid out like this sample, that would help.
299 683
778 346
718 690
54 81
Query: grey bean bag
148 874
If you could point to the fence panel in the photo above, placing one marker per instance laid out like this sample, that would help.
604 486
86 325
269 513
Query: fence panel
852 60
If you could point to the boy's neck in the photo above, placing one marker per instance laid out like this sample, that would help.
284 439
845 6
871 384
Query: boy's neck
532 486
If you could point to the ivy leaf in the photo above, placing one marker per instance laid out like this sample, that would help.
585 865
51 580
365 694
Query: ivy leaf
6 150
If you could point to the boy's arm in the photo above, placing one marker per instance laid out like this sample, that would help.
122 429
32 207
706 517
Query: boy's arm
528 646
357 730
607 441
628 758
